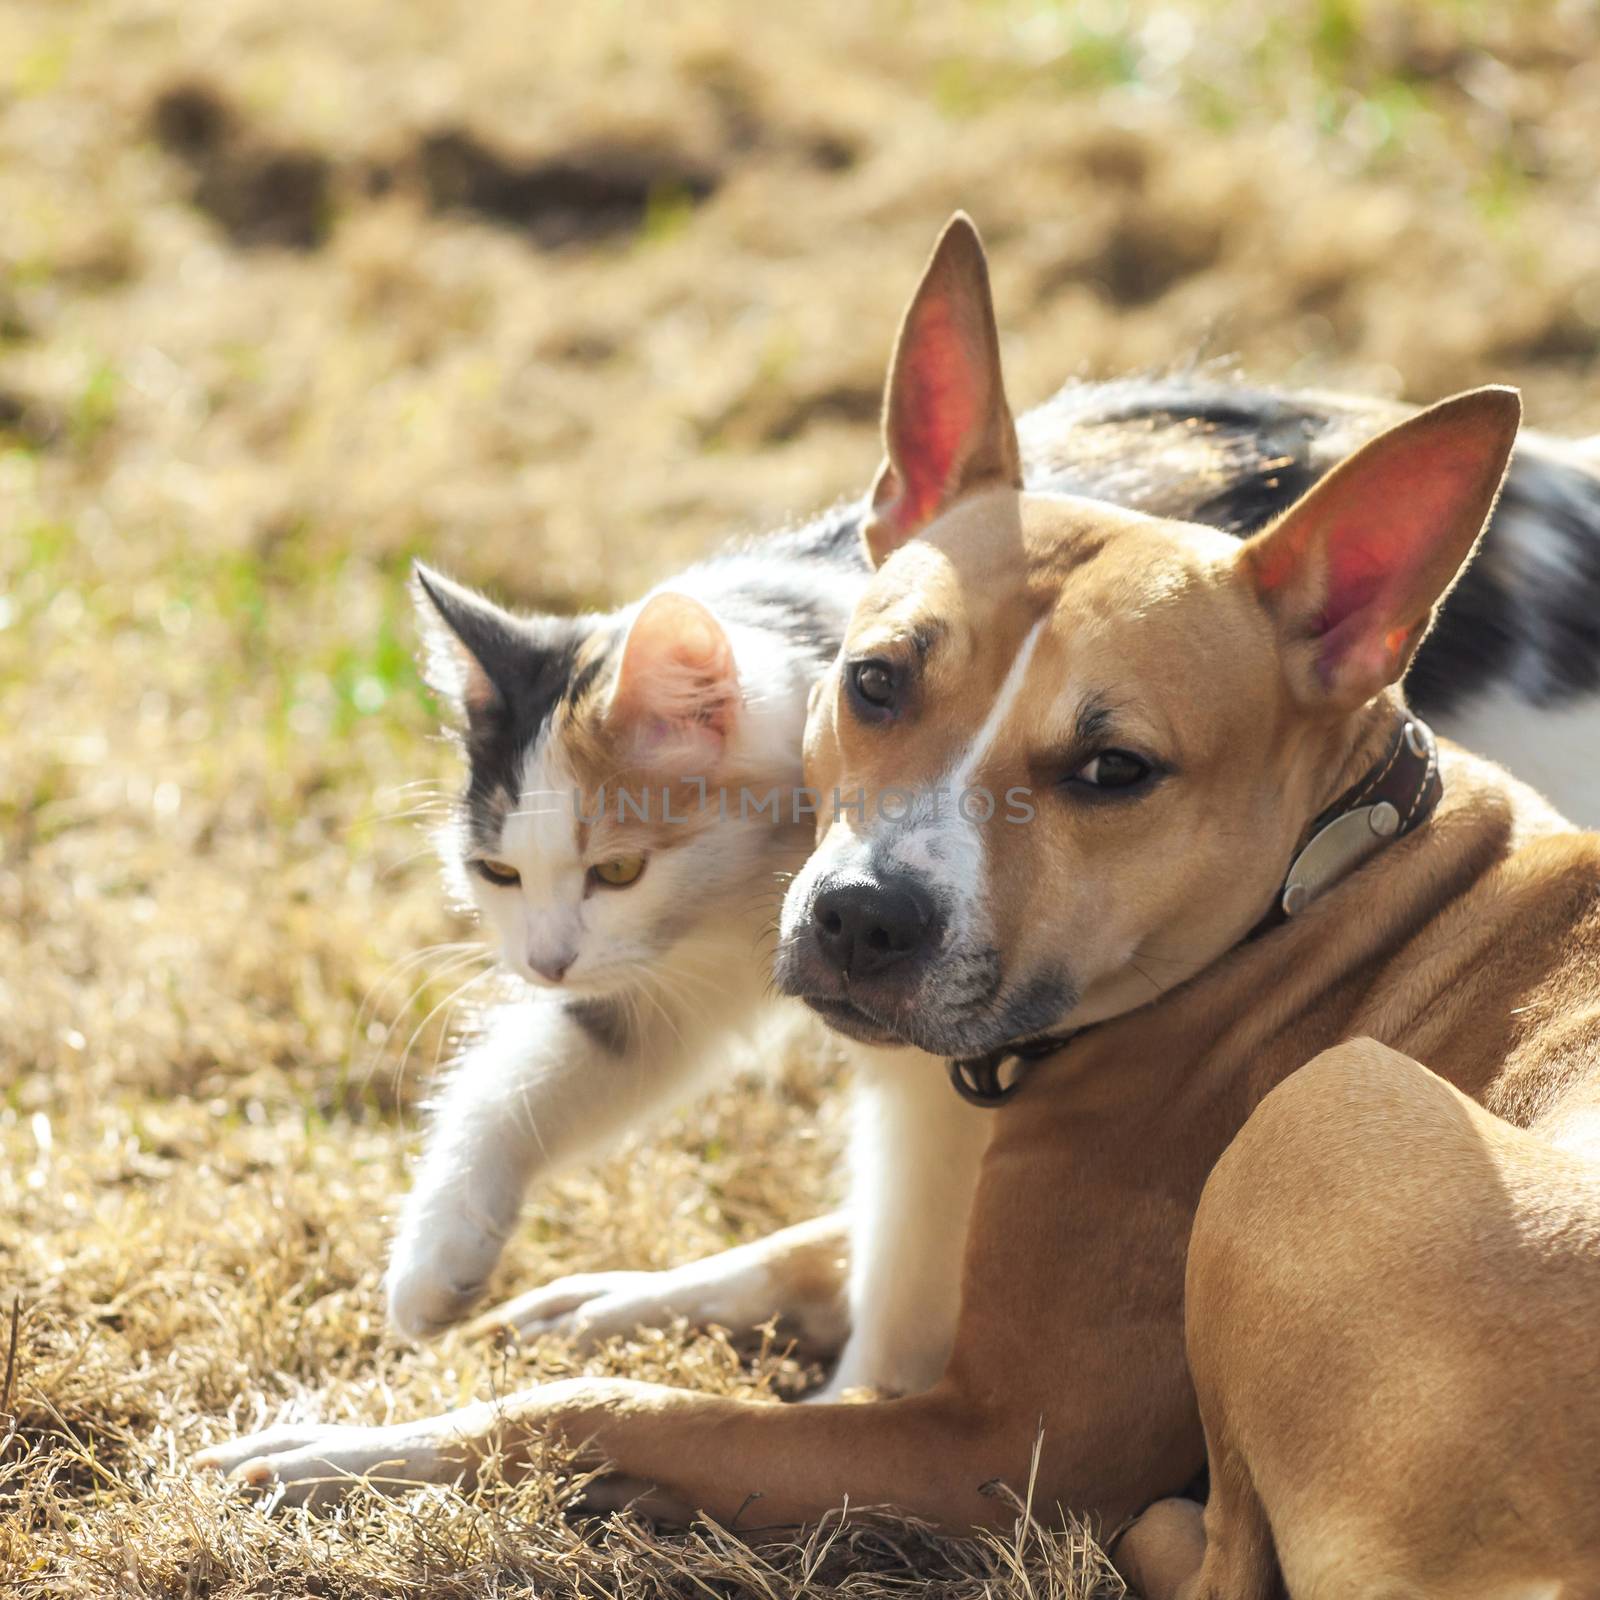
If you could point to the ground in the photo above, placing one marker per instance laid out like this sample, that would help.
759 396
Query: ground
556 296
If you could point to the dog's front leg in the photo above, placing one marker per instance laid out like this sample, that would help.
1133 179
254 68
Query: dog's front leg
743 1463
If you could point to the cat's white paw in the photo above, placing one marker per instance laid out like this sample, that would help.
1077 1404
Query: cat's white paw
586 1307
739 1289
436 1275
313 1463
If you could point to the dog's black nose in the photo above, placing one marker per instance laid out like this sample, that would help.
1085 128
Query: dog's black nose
862 928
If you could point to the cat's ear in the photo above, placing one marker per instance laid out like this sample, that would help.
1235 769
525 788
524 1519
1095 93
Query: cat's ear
676 695
470 644
1352 572
947 429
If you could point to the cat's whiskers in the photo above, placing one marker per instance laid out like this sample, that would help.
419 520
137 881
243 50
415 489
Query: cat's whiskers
424 792
416 1033
650 983
438 785
417 798
429 811
449 951
439 963
399 865
681 958
445 971
758 898
527 1120
521 808
700 984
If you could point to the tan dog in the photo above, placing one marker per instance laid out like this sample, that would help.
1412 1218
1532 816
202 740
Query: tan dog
1391 1287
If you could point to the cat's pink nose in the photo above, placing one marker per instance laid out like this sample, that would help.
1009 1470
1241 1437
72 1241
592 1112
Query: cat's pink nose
551 968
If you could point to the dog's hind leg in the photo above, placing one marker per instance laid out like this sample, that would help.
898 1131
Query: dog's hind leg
1179 1550
1381 1288
1160 1555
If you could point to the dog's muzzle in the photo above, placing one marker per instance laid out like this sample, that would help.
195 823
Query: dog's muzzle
861 952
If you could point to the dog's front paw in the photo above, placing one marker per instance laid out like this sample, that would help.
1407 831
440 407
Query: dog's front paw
232 1455
310 1461
437 1273
586 1307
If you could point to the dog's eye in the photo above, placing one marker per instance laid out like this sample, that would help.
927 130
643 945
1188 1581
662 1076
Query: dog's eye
618 874
497 872
872 684
1113 770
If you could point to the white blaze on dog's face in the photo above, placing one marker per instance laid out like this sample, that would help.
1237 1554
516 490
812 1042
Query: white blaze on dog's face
1075 748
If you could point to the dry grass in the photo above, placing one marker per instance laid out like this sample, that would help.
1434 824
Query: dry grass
555 294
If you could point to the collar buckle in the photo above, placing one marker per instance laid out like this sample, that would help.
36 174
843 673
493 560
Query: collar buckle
978 1081
983 1081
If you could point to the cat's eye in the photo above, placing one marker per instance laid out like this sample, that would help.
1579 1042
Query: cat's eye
872 687
500 873
1113 771
618 874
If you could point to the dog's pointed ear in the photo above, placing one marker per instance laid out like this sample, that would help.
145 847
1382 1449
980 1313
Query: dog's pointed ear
946 426
1352 572
469 644
676 694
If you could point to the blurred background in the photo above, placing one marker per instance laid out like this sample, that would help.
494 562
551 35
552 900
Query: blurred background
555 296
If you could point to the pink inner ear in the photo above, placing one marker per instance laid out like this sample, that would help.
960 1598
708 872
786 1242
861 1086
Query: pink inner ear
1356 567
1355 579
478 693
935 412
1386 544
678 684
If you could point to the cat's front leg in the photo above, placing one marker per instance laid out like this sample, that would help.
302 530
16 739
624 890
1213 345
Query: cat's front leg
916 1149
550 1080
797 1275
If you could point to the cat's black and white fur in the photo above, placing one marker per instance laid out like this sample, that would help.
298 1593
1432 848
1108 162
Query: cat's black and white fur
632 993
655 978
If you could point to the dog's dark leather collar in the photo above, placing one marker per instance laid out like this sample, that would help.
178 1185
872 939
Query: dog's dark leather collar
1393 799
984 1081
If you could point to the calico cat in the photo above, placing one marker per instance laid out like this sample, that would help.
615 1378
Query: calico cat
641 938
626 832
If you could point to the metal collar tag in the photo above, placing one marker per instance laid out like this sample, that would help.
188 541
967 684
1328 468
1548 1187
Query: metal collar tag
1397 796
1340 847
